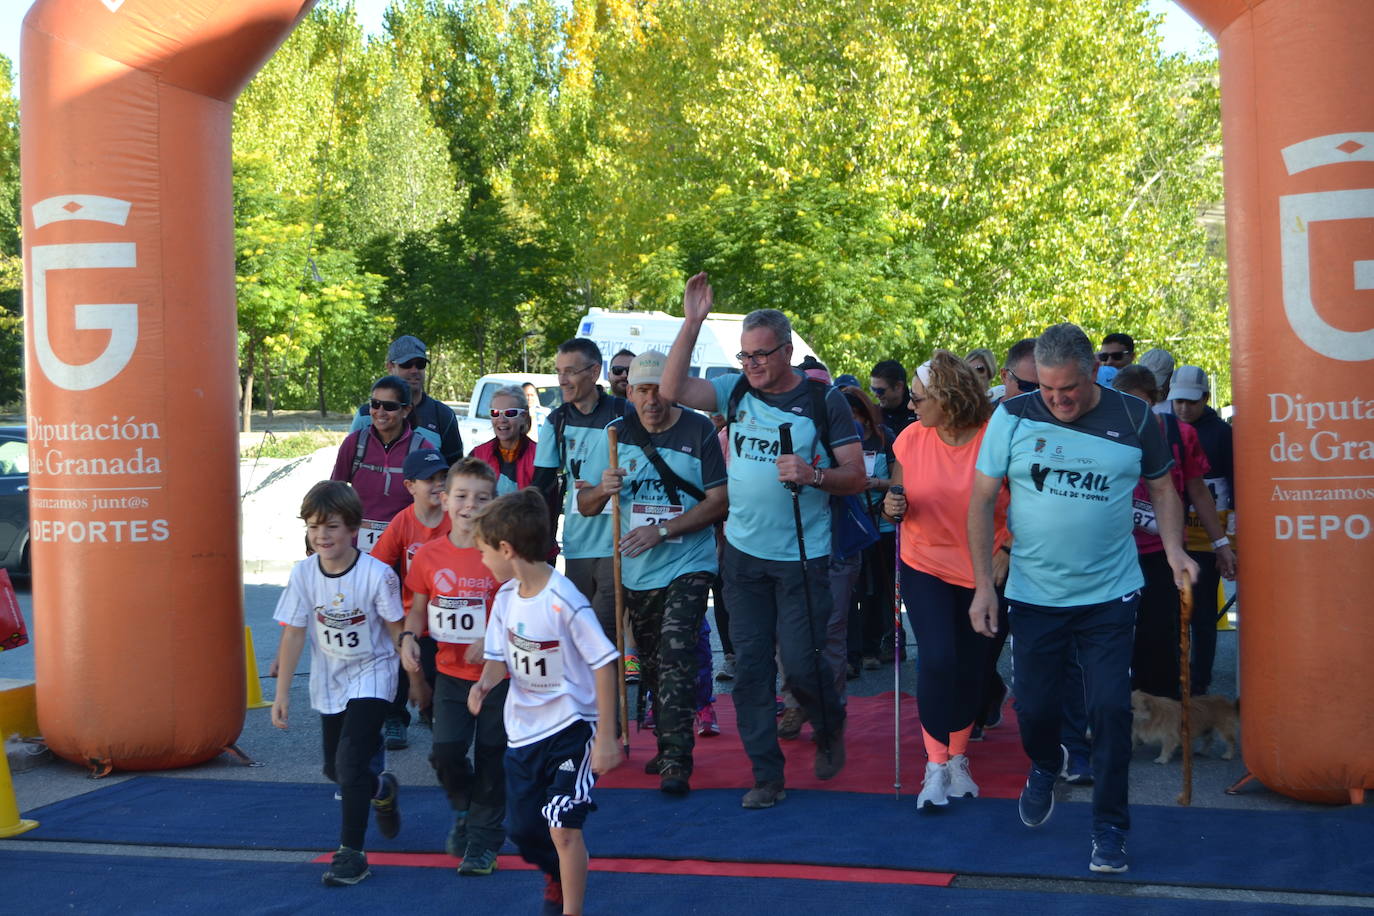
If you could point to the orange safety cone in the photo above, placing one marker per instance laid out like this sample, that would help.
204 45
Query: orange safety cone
11 824
250 662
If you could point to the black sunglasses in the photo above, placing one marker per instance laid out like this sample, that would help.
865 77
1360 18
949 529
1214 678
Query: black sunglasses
879 391
1104 357
510 413
619 370
388 406
418 362
1025 386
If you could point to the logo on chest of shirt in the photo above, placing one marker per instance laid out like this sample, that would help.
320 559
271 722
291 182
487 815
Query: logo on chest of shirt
338 620
1070 484
755 448
646 488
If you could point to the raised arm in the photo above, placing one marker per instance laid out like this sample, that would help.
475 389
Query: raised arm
676 385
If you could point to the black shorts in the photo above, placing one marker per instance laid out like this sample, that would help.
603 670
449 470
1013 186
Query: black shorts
553 776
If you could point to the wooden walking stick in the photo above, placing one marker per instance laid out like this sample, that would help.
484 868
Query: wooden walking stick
613 446
1185 682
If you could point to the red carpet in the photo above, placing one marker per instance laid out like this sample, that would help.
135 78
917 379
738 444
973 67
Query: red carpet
998 764
686 867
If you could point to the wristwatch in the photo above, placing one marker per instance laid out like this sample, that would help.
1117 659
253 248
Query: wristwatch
663 532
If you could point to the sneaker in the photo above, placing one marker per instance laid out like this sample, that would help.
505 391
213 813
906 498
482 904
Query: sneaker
478 862
653 764
1037 798
708 726
727 669
348 867
673 780
395 732
1076 770
934 787
457 835
976 733
992 715
631 668
553 896
871 663
791 725
830 754
1109 851
763 795
386 807
961 784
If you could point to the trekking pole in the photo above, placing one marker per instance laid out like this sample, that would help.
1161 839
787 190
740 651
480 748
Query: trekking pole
1185 681
613 447
896 654
785 448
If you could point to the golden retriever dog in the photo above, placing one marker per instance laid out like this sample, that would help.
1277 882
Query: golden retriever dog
1160 720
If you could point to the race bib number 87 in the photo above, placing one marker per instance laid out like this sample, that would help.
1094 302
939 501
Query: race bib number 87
534 665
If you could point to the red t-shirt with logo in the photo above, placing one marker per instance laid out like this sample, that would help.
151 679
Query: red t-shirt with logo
460 590
402 538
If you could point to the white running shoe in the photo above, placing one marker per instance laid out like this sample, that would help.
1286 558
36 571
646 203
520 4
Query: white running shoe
934 788
961 784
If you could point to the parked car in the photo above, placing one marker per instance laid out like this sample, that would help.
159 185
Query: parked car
474 422
14 499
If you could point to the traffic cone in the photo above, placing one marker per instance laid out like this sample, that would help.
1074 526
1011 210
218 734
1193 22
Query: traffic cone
250 659
1224 621
11 824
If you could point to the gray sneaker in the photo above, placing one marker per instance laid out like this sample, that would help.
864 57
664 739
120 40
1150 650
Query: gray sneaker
727 669
961 784
763 795
348 867
934 787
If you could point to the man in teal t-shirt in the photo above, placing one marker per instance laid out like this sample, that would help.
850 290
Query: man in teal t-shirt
671 481
762 565
1072 453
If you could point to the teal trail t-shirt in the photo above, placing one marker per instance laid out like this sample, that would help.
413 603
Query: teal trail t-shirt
583 537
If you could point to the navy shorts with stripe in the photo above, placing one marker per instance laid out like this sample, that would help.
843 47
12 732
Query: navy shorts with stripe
549 784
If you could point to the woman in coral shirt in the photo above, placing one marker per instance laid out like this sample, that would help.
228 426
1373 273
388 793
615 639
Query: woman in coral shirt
934 463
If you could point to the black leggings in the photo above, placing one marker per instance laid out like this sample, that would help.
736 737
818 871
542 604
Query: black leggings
351 738
949 654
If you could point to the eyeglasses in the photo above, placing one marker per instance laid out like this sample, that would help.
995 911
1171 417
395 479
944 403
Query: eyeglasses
510 413
418 362
1106 356
569 373
1024 386
619 370
915 401
388 406
758 357
878 391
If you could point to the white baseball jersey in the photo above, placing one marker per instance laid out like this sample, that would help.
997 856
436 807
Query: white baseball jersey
551 644
351 654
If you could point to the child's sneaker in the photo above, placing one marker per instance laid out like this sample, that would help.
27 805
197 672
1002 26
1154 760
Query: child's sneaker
708 726
348 867
478 862
386 806
394 734
553 897
631 668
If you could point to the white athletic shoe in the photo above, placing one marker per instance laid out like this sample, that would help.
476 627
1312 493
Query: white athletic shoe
934 788
961 784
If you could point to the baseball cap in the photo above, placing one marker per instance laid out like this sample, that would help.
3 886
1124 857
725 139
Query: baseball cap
847 380
1188 384
1105 374
1160 363
647 368
424 464
405 348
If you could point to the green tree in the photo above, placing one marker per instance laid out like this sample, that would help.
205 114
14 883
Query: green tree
11 261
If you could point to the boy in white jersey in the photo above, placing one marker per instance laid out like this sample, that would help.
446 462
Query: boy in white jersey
452 601
543 633
351 606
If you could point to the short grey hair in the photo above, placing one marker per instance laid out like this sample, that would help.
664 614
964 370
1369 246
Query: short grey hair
773 320
1063 344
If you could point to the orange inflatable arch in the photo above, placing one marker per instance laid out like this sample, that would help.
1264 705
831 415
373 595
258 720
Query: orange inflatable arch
132 392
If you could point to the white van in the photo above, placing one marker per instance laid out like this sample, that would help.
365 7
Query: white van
615 329
474 420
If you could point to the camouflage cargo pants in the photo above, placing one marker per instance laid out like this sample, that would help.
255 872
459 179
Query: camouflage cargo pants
666 623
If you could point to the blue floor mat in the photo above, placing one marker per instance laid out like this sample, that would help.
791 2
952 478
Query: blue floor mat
1320 850
118 885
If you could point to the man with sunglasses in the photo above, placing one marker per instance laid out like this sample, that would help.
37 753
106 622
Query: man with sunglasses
762 566
887 381
618 373
432 419
1117 351
1018 372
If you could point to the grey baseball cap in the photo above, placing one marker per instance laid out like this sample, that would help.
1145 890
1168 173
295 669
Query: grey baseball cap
404 349
1189 383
